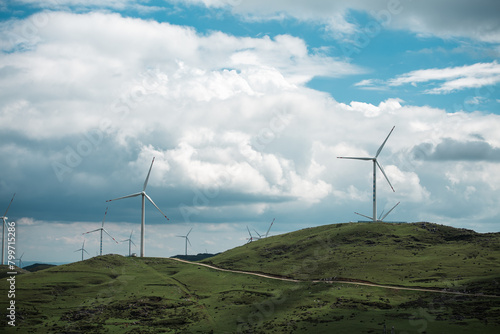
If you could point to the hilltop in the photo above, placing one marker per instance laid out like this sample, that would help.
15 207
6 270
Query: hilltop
116 294
416 254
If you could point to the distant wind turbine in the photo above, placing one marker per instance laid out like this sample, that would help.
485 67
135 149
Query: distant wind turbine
187 240
375 164
144 196
129 243
251 237
4 222
20 261
82 249
102 229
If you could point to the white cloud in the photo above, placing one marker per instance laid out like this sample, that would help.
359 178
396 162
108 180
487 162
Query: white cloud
454 78
463 18
448 80
477 20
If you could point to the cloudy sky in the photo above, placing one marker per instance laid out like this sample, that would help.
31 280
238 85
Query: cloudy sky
245 106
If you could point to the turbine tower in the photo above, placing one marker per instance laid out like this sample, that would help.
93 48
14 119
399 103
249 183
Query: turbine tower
144 196
187 240
4 222
129 243
82 249
375 164
102 229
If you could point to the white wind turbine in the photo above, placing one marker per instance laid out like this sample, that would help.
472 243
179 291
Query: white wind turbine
375 164
129 243
20 261
4 222
144 196
102 229
251 237
187 240
82 249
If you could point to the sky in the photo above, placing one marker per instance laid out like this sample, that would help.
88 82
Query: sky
245 106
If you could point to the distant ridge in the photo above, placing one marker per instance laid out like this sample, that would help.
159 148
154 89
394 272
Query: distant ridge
194 258
38 266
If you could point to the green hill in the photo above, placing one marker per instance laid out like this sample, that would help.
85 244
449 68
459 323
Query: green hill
115 294
417 254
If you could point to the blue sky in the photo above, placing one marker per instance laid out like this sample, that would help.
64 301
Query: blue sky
245 107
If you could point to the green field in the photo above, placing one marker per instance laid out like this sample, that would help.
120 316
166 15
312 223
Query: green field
115 294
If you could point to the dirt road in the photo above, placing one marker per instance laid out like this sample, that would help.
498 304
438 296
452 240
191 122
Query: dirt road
336 281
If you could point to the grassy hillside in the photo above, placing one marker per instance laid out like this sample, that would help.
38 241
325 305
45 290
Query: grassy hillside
418 254
115 294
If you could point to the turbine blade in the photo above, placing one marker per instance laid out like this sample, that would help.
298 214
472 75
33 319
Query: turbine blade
249 232
188 241
5 214
382 146
104 217
156 206
131 234
355 158
86 252
133 243
147 177
371 218
93 231
381 215
128 196
390 211
110 235
382 170
257 233
269 229
21 256
189 232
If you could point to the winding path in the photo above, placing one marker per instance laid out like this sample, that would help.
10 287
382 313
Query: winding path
286 279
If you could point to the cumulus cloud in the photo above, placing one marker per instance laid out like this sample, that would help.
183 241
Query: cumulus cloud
89 99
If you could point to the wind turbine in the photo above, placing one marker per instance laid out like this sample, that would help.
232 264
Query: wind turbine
20 261
375 164
251 237
4 222
144 196
102 229
269 229
187 240
129 242
82 249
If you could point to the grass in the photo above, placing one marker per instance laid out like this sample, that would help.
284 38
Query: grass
114 294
